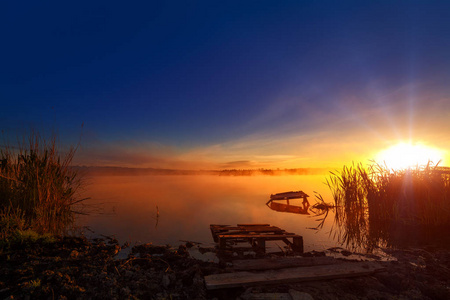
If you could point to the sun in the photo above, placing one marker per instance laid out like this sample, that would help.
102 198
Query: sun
406 155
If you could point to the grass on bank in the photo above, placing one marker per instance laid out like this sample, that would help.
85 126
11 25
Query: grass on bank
37 189
380 206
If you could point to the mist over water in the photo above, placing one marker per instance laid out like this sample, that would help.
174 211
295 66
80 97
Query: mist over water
128 206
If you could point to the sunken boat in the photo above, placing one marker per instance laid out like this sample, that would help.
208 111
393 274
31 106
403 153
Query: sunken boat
281 202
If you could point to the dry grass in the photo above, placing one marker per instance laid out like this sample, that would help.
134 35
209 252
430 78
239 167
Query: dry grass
37 186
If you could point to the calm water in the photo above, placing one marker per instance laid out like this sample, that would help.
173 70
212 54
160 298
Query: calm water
127 206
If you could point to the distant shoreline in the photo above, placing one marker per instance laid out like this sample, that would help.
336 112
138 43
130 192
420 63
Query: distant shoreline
125 171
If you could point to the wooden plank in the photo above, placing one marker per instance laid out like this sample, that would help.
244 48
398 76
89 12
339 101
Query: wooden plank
243 229
264 236
297 244
260 230
259 227
222 243
217 229
260 245
237 279
222 227
266 296
282 262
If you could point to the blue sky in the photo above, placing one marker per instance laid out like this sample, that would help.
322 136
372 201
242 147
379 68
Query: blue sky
227 83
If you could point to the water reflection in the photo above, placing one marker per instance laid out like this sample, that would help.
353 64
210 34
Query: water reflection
183 206
287 207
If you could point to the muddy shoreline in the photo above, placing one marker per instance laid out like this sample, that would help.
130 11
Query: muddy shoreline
78 268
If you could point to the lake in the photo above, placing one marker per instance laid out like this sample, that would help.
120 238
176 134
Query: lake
168 209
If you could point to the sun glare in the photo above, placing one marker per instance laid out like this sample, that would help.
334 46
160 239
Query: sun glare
404 156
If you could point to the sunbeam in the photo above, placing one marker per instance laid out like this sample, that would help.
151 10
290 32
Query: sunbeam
407 155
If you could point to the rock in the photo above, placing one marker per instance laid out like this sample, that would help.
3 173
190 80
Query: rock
182 250
74 254
247 294
314 253
80 269
346 253
198 280
189 244
125 291
166 281
296 295
128 274
392 281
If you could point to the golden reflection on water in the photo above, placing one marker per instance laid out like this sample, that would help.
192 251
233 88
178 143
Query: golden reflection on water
188 204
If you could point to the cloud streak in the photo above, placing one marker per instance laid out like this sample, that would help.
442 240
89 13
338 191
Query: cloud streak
355 127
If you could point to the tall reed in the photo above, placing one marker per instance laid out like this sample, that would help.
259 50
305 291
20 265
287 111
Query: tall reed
350 195
377 205
38 184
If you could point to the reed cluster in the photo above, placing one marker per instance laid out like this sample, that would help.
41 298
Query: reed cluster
379 206
37 187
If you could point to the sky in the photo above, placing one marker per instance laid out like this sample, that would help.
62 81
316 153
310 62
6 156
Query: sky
226 84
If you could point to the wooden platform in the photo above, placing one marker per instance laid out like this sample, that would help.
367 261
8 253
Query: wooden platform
290 275
256 235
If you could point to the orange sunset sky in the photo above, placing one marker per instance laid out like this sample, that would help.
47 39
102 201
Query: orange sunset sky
231 84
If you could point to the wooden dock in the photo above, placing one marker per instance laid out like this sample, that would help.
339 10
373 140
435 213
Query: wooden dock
256 235
280 270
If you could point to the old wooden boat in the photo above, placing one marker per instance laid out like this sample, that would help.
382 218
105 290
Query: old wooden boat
289 195
287 206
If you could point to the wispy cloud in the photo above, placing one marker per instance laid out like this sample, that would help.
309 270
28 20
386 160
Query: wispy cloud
353 127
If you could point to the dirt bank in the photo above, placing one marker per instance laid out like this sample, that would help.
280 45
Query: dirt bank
75 268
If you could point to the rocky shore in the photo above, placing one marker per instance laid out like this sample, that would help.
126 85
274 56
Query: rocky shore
77 268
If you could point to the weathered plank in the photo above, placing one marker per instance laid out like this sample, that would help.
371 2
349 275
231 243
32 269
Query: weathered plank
236 279
260 239
216 229
264 236
243 229
251 225
274 230
282 262
266 296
